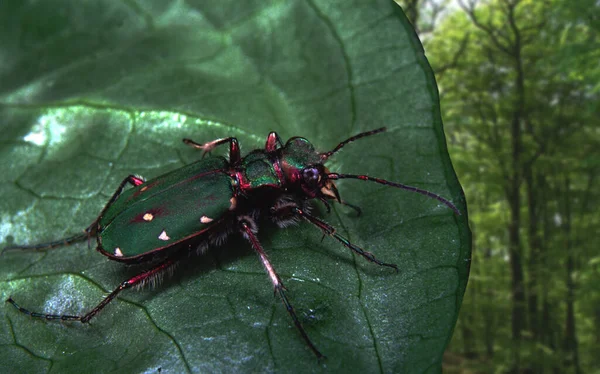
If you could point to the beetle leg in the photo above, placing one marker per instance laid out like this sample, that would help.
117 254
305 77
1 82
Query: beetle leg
356 208
89 232
248 233
234 147
343 202
330 230
326 203
273 141
137 280
134 180
49 245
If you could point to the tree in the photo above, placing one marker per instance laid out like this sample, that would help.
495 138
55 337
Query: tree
518 81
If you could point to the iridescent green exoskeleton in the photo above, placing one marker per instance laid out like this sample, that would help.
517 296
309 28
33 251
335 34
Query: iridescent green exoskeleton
196 207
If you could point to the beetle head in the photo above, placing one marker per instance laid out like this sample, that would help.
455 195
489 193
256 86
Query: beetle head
303 169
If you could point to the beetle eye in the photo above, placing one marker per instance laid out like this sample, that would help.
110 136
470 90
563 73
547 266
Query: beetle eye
311 176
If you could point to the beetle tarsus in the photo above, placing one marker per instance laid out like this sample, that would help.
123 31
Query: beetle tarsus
234 147
49 245
49 317
88 316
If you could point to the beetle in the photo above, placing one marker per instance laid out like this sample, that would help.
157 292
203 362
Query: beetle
211 199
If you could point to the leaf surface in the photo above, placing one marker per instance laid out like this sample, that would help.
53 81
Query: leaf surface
93 92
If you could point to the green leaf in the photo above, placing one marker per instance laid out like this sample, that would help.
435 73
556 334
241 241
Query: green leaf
94 91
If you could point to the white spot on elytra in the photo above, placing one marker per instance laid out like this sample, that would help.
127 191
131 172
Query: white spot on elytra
205 219
148 217
233 202
118 252
163 236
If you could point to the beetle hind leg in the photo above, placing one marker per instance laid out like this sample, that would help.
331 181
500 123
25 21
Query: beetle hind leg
248 229
49 245
137 280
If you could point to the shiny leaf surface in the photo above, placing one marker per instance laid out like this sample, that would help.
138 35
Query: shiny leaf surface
92 92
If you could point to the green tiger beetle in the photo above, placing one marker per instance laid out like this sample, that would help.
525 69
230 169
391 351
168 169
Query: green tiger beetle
211 199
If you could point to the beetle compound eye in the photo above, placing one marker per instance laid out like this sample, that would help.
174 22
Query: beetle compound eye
311 176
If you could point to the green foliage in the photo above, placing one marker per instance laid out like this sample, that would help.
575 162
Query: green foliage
475 59
92 92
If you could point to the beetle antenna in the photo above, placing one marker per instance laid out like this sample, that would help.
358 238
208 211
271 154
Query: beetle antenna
326 155
335 176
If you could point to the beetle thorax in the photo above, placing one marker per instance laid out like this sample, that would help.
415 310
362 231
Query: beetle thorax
296 167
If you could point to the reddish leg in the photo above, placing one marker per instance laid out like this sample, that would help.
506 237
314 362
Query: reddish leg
90 230
330 230
248 233
138 279
273 142
134 180
234 148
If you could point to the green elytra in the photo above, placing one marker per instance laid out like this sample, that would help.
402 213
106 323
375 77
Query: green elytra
166 210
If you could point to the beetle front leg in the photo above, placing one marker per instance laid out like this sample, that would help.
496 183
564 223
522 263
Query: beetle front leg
248 229
234 147
90 231
327 229
137 280
356 208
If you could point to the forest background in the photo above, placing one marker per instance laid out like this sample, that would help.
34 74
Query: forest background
519 83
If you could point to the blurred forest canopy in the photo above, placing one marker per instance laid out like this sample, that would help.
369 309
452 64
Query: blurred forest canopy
519 82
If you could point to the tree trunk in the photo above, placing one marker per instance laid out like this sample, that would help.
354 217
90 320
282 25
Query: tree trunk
533 186
570 342
514 198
